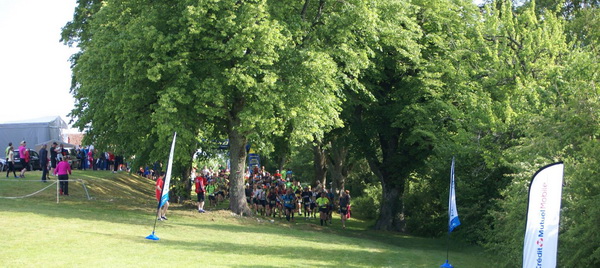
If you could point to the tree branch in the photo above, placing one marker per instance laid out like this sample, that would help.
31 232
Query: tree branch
304 8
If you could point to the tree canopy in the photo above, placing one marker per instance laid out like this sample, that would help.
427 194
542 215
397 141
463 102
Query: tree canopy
396 86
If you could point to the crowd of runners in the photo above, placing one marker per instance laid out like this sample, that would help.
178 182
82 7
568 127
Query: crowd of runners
274 195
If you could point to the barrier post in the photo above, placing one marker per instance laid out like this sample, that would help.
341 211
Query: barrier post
57 189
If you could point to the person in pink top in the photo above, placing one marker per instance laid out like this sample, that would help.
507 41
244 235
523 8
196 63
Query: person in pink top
63 170
23 157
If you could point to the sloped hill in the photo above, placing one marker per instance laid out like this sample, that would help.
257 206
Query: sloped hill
108 230
95 185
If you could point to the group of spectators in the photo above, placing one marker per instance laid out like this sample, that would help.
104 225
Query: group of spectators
214 185
90 158
151 173
272 195
58 161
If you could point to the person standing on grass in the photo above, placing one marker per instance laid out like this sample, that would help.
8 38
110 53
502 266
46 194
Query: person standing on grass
162 212
44 162
10 161
306 196
272 201
23 157
344 205
63 170
255 198
8 149
331 197
200 182
323 203
53 157
211 189
90 158
289 203
83 156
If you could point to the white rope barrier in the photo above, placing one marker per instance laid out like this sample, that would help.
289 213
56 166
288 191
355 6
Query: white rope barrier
87 194
32 194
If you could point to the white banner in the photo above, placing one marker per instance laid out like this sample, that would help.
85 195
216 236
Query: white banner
165 191
453 221
543 214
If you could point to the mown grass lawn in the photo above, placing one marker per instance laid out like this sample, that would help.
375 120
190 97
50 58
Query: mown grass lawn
109 230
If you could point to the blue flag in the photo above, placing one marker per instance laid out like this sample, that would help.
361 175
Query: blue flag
453 222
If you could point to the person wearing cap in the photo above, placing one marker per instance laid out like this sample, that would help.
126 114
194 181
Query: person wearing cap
23 157
63 170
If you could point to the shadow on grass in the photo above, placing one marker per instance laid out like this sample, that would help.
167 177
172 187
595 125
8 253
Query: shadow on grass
296 254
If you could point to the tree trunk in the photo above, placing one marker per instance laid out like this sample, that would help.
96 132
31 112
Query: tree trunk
320 164
187 171
187 183
283 148
237 196
391 211
391 217
338 165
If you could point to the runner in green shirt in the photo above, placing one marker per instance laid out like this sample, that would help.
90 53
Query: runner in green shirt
323 203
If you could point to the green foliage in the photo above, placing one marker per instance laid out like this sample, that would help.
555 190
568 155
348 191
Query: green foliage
300 165
564 127
504 234
208 69
425 214
581 213
367 205
504 89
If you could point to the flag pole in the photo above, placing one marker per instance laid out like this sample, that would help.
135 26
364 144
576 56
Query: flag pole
162 191
453 220
448 247
447 264
152 236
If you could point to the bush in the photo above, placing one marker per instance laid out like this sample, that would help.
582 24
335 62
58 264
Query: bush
367 205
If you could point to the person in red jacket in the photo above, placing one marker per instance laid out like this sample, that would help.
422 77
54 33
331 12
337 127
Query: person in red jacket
162 211
201 182
63 170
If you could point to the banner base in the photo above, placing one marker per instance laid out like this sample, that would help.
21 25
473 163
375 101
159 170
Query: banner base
446 265
152 237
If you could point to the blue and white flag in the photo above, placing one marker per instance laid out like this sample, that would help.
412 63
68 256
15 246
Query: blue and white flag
453 222
165 190
543 215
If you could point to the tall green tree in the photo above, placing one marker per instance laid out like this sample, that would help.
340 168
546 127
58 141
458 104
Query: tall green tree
532 70
415 85
247 70
118 100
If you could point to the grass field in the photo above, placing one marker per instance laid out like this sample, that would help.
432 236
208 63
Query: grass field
109 230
